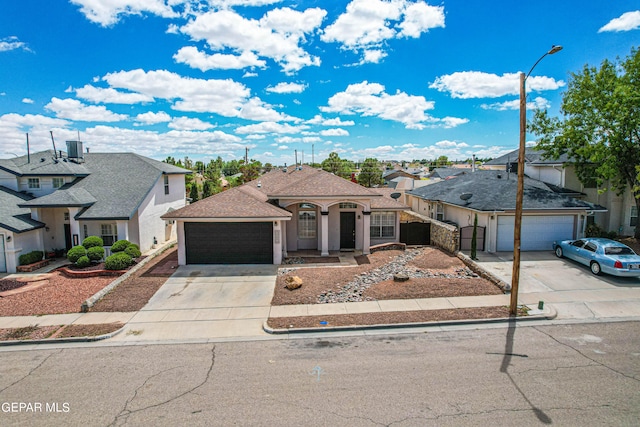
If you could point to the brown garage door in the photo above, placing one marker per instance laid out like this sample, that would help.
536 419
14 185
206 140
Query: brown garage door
229 243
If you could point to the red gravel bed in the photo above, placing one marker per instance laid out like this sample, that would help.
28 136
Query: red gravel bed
60 295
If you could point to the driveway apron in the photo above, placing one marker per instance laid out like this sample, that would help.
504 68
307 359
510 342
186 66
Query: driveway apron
202 302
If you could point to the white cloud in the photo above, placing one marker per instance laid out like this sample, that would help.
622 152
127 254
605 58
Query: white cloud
73 109
188 123
287 88
277 35
476 84
224 97
12 43
218 61
334 132
538 103
367 24
626 22
373 56
337 121
370 99
268 127
249 74
151 118
109 12
27 101
283 147
110 96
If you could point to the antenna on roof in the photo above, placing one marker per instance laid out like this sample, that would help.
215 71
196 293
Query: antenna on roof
55 153
28 153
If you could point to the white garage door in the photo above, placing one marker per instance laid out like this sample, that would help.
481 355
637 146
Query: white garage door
538 232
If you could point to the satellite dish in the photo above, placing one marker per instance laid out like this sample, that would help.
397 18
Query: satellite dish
466 196
395 195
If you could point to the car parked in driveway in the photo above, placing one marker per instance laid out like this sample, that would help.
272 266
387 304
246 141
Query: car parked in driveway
601 255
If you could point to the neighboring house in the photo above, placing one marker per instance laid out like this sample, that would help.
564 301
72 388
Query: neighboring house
284 211
391 174
52 200
621 213
445 173
547 215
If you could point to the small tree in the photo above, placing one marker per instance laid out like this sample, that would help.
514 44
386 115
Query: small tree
370 173
193 193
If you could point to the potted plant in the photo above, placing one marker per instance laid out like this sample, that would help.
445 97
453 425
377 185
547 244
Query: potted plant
51 254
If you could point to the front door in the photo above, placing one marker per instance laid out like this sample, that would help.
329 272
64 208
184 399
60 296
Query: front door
347 230
67 236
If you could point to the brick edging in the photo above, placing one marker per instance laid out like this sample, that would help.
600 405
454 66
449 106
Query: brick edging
90 302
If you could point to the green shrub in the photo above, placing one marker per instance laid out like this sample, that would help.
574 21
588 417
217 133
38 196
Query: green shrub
83 262
95 253
92 241
75 253
31 257
119 246
133 251
118 261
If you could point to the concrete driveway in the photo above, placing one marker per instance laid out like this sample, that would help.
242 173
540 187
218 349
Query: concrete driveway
568 286
201 302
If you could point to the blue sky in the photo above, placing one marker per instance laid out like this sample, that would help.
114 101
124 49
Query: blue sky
392 79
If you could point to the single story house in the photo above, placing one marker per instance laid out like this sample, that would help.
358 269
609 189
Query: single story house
53 200
283 211
547 215
621 214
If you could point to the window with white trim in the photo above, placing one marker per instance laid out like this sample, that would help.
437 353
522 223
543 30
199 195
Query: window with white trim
348 205
33 183
383 224
439 212
109 234
307 224
633 220
58 182
166 184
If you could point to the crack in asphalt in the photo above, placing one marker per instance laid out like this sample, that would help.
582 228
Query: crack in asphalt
33 369
586 356
125 413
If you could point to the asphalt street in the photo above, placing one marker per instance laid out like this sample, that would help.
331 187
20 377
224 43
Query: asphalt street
571 374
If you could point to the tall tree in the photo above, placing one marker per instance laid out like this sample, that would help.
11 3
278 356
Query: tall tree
337 166
251 170
370 173
600 127
193 193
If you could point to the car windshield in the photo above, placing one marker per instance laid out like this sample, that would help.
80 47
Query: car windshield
618 250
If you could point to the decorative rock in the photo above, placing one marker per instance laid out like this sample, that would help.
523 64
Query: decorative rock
400 277
293 282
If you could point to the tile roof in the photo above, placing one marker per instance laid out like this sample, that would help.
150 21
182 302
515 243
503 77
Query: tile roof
13 217
43 163
251 200
116 185
492 190
531 155
238 202
386 202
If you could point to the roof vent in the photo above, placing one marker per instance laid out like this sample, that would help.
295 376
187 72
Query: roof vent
285 168
74 151
259 184
42 159
499 176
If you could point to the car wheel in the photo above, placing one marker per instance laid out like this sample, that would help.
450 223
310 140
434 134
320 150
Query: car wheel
559 252
595 268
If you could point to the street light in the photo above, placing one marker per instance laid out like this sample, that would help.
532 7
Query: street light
515 276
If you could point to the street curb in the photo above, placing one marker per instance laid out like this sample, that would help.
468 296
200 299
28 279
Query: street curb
63 340
544 316
90 302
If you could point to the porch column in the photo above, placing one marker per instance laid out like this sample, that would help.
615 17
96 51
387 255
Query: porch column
123 230
366 236
74 226
325 233
35 214
283 227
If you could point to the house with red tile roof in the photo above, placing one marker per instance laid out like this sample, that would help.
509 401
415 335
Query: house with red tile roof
285 210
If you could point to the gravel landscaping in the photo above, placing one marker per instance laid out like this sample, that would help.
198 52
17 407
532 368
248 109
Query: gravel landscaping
432 273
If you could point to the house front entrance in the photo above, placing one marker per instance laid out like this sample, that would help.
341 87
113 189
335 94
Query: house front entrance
347 230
